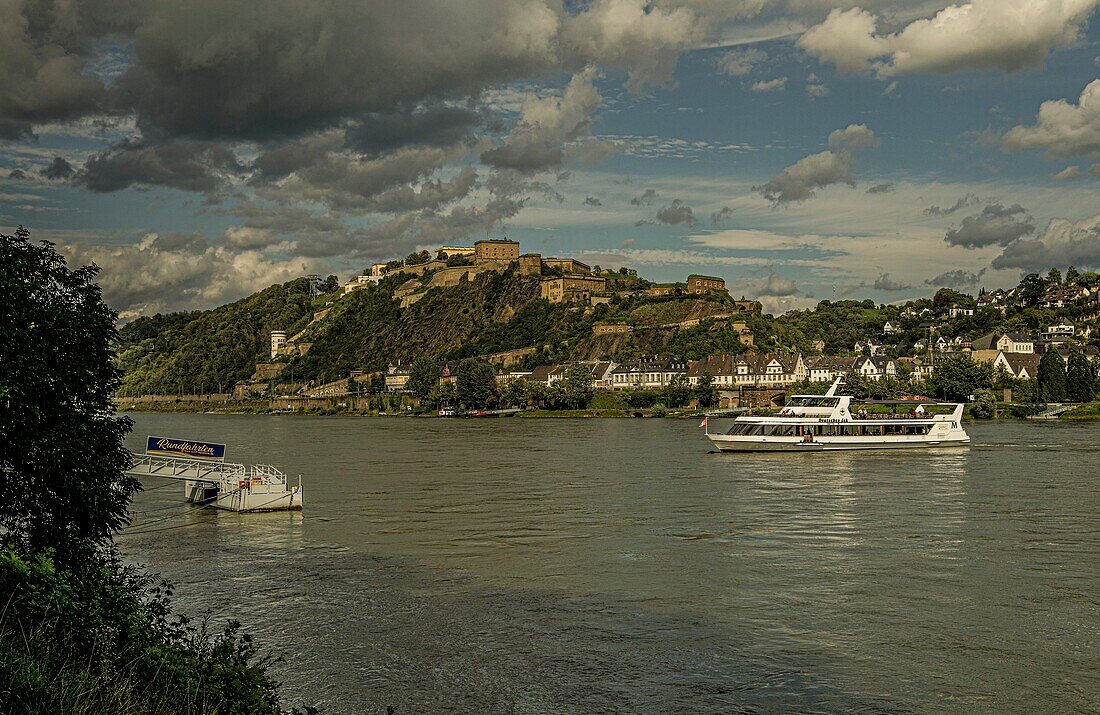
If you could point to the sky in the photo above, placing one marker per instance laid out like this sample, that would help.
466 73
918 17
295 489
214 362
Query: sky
198 151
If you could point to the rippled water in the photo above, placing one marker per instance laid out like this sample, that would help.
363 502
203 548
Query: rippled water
582 566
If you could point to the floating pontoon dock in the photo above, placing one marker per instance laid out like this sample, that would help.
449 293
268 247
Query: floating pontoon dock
223 485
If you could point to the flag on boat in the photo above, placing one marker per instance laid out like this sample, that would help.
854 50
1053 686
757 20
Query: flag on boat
704 422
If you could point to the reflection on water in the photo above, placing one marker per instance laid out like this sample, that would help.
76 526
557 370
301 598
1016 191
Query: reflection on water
617 566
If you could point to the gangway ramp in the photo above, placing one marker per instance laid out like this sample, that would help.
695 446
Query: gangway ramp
224 485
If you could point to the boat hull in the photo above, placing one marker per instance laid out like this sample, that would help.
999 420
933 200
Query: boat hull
726 443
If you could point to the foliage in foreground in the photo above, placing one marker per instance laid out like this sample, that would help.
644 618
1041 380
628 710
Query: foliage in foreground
102 639
79 631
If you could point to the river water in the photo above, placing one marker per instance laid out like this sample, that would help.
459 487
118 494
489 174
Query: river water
591 566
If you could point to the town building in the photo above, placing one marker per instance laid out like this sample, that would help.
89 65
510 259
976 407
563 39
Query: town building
278 340
826 368
872 346
571 288
719 367
397 374
876 368
890 327
776 370
959 311
567 265
1022 366
647 372
496 249
698 284
444 252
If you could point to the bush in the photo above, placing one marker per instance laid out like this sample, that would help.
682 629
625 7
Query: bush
103 639
984 406
641 399
660 411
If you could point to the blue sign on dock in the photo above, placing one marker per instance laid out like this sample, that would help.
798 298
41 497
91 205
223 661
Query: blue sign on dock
171 447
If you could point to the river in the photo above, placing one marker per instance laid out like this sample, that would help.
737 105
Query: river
591 566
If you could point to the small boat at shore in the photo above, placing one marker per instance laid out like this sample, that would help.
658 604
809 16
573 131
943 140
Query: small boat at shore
832 422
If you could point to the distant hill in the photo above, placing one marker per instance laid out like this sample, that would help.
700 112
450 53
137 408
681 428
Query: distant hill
500 310
205 349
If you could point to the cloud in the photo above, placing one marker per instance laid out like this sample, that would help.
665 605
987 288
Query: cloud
956 279
775 286
1062 130
1067 174
1010 35
676 213
182 273
59 169
1063 243
773 85
738 63
881 189
996 225
885 282
802 180
964 202
438 126
185 164
720 216
592 201
815 91
647 197
545 124
1094 171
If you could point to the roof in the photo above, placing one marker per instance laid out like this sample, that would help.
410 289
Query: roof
709 278
1019 361
1018 337
830 362
985 342
711 365
495 240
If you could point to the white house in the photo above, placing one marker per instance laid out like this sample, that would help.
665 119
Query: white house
1016 343
876 368
891 327
958 311
1022 366
870 344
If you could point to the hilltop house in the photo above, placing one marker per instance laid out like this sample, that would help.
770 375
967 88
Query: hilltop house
890 327
874 347
1058 334
1061 297
959 311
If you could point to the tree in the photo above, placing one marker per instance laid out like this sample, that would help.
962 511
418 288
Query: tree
377 384
423 376
1080 379
62 456
678 391
705 392
1054 278
1072 275
984 406
577 387
515 392
476 383
1031 289
443 394
959 376
1052 377
417 257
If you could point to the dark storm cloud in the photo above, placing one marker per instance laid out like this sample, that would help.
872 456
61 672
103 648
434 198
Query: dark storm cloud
376 133
183 164
885 282
964 202
1063 243
647 197
592 201
881 189
676 213
996 225
957 279
59 169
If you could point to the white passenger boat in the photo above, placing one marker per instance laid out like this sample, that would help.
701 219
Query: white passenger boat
832 422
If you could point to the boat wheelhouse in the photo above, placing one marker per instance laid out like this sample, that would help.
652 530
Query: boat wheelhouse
833 422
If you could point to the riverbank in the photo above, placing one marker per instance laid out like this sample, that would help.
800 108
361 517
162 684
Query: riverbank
360 407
